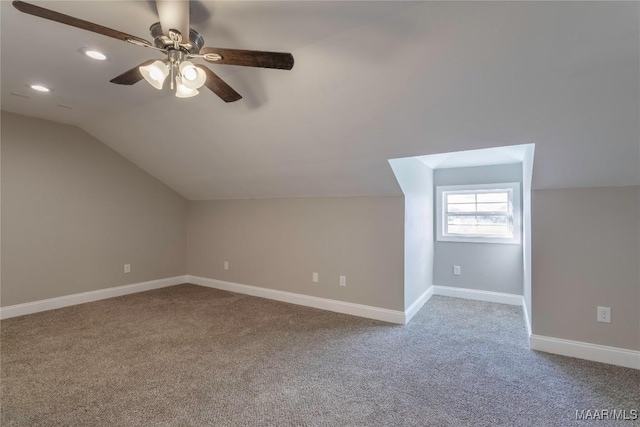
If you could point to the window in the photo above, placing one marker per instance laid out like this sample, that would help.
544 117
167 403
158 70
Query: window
487 213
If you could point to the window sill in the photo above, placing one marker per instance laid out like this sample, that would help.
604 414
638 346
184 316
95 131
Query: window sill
464 239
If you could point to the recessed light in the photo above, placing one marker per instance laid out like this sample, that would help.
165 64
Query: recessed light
40 88
94 54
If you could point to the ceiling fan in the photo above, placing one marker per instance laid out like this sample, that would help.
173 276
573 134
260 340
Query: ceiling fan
169 38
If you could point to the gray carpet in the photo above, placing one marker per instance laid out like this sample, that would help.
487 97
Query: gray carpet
189 355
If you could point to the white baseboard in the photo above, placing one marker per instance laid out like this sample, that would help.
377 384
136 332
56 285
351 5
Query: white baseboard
359 310
583 350
499 297
74 299
527 319
417 304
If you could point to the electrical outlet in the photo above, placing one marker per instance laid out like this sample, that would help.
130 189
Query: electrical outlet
456 270
604 314
127 268
314 277
226 265
343 280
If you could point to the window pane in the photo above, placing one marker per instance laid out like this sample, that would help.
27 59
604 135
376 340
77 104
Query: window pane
461 220
493 207
492 219
479 212
461 207
461 198
493 197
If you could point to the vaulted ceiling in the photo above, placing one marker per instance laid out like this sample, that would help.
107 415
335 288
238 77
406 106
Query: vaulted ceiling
371 81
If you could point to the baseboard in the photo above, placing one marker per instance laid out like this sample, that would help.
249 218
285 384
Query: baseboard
391 316
527 319
499 297
583 350
75 299
417 304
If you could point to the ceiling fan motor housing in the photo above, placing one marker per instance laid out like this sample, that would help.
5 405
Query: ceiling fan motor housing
163 41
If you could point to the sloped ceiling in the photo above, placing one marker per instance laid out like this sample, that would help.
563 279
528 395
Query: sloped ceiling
372 81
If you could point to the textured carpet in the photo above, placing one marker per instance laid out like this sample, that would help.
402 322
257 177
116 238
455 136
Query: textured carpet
189 355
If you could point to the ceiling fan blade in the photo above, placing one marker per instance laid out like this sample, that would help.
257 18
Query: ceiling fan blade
78 23
250 58
131 76
174 14
218 86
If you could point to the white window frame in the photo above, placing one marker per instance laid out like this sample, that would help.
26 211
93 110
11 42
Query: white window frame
441 217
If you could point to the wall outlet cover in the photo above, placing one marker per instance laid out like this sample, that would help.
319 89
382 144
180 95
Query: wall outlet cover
604 314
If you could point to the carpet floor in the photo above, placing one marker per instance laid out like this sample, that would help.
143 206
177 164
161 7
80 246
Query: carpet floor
193 356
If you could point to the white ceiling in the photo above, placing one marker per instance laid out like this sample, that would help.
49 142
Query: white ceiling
372 81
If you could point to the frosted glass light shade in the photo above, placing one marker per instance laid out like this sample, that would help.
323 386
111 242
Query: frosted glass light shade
155 73
192 76
183 91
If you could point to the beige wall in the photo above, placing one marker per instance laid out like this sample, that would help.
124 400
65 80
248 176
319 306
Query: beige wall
493 267
278 243
585 253
74 212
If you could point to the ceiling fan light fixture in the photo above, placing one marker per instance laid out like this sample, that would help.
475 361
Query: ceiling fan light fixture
192 76
183 91
155 73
